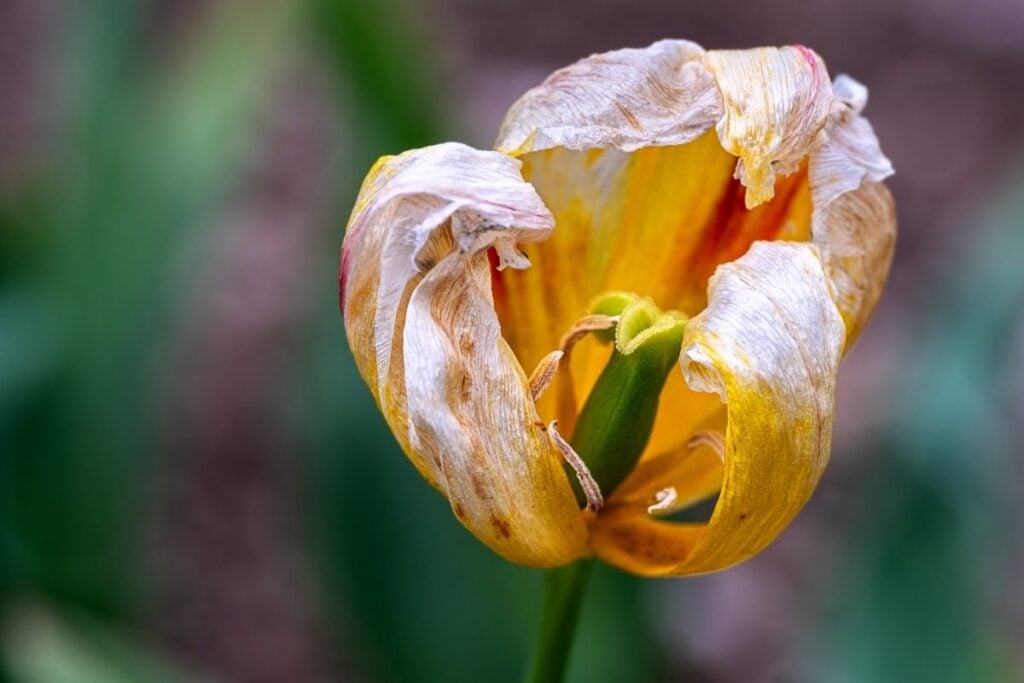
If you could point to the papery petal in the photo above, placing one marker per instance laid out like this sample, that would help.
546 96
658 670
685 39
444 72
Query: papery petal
768 345
625 99
854 218
415 271
776 104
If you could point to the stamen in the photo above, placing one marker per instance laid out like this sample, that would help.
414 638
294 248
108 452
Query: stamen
712 439
595 501
568 408
665 498
584 326
544 374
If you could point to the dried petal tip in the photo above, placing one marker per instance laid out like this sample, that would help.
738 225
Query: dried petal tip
776 103
626 99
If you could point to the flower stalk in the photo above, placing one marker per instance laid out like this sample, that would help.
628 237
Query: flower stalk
564 588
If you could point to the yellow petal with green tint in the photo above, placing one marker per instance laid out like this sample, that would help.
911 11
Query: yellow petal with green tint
768 345
417 299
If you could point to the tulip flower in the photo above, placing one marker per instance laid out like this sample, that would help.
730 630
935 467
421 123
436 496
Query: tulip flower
639 300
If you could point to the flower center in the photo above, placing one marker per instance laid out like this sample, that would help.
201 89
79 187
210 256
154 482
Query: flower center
615 423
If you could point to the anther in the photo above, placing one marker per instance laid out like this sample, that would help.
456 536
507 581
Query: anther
544 374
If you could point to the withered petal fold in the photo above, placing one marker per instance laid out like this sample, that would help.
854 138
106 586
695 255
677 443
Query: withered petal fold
420 318
769 105
769 345
624 99
854 218
776 103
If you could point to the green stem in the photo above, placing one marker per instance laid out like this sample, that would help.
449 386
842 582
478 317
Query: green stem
563 596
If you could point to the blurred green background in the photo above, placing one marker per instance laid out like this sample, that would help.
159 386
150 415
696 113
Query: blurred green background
195 484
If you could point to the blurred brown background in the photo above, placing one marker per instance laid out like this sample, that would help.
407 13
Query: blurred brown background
195 484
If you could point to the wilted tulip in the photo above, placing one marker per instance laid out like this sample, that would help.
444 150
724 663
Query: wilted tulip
719 212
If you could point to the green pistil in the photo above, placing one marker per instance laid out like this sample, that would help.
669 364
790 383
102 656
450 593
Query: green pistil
616 421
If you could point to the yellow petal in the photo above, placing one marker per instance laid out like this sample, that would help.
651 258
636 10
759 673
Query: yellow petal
776 104
657 221
416 294
768 345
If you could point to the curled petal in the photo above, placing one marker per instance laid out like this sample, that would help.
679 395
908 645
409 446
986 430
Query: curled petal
626 99
416 294
777 101
854 218
864 222
393 233
768 345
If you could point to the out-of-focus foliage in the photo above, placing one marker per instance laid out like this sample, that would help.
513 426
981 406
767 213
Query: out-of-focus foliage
42 647
86 289
93 265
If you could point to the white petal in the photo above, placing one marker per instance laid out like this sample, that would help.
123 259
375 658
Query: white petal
625 99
